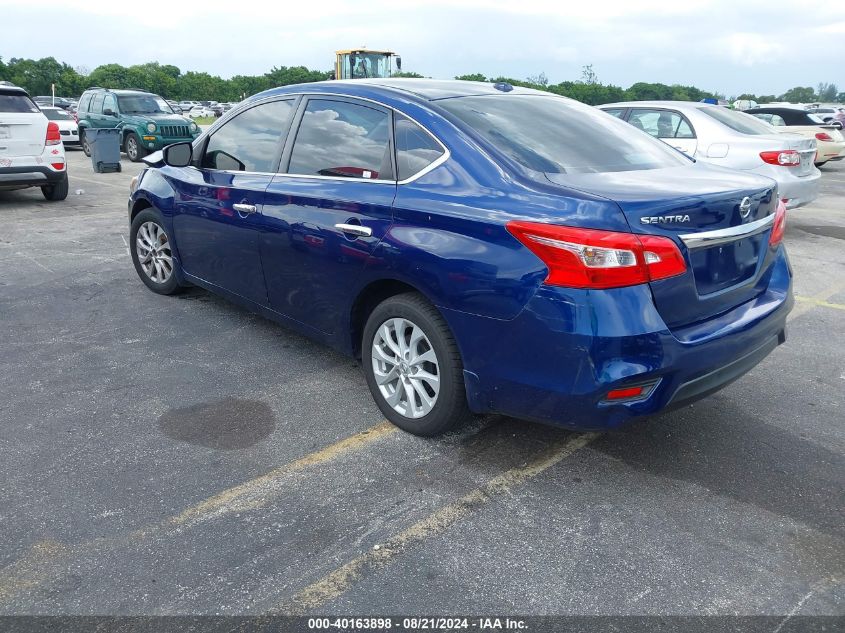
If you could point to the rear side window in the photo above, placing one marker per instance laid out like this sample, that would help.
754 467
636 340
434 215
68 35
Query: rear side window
16 102
250 141
97 103
617 112
339 138
416 149
661 123
557 135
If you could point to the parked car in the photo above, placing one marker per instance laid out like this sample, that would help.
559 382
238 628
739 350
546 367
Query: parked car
732 139
186 106
519 252
59 102
68 128
830 142
146 121
31 150
832 114
200 111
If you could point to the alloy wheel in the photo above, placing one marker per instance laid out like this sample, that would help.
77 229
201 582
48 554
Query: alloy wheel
406 368
154 254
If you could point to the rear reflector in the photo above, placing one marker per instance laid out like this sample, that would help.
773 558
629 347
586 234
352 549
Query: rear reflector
626 393
784 158
53 135
57 166
590 258
779 225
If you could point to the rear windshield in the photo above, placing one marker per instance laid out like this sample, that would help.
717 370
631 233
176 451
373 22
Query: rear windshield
556 135
739 121
57 115
16 102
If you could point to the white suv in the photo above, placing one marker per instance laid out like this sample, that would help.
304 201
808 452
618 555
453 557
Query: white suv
31 150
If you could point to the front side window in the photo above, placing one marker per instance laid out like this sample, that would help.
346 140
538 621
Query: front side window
661 123
415 148
558 135
339 138
110 103
250 141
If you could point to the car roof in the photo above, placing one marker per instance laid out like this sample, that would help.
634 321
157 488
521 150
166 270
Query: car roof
423 89
659 104
10 88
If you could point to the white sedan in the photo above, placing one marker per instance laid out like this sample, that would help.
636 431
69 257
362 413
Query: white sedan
68 128
714 134
200 111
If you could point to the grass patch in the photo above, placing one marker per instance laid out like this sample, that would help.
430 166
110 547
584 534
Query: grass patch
204 120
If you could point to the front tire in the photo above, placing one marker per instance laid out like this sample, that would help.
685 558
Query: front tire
56 191
413 367
152 254
134 150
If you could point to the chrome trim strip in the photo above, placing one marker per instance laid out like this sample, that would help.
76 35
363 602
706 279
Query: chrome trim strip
355 229
723 236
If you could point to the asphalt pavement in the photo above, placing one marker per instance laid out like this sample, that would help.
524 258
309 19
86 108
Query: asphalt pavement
179 455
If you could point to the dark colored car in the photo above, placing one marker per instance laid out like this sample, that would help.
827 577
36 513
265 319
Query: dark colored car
147 121
60 102
481 248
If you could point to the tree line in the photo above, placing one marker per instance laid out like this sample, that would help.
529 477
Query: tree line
37 76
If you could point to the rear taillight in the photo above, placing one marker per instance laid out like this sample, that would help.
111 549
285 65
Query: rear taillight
824 136
53 136
779 225
785 158
590 258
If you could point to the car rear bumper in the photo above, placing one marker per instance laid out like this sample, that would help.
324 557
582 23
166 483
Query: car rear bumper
556 362
797 190
29 176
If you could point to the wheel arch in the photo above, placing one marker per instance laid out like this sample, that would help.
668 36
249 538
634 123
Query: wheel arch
367 299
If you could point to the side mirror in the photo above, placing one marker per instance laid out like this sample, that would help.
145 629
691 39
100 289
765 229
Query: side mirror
109 112
178 154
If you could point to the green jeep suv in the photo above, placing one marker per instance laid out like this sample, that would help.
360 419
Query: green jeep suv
146 120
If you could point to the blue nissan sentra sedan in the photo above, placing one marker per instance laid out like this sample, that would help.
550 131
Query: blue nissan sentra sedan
481 247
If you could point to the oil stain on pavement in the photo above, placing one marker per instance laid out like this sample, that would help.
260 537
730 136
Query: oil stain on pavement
227 424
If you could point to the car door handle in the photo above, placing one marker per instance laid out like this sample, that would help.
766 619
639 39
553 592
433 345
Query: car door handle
246 209
355 229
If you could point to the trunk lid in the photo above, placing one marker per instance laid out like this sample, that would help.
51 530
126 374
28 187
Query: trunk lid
703 209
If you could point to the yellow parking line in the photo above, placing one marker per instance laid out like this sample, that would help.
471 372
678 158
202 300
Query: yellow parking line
339 581
808 303
255 491
820 302
47 560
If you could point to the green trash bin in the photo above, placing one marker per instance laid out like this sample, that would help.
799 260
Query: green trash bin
104 144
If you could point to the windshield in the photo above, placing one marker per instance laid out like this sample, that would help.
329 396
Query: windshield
556 135
56 115
143 104
738 121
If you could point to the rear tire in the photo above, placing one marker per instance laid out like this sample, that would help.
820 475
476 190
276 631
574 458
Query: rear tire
84 141
413 367
56 191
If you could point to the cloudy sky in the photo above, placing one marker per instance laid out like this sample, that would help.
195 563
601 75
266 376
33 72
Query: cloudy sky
732 46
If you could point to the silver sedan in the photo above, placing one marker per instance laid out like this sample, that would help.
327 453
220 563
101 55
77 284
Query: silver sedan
717 135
